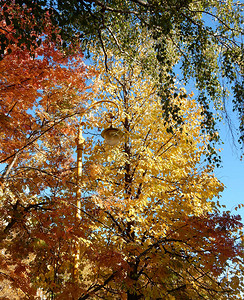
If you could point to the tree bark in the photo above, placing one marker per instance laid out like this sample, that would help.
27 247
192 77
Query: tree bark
133 296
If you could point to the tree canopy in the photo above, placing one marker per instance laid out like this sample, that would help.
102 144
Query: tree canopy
153 199
145 223
40 98
206 37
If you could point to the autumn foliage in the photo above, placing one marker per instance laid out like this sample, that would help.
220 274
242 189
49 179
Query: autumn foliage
149 226
157 233
41 94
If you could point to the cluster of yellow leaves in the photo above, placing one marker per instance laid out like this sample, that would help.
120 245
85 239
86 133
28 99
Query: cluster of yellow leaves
146 190
163 165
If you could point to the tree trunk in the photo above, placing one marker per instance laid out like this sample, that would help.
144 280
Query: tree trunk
132 296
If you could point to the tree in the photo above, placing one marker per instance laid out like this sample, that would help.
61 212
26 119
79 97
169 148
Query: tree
41 99
206 36
148 224
157 232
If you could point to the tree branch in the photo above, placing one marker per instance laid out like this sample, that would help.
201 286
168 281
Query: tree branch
98 287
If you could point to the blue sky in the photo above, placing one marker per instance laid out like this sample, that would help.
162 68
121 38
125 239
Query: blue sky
231 173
